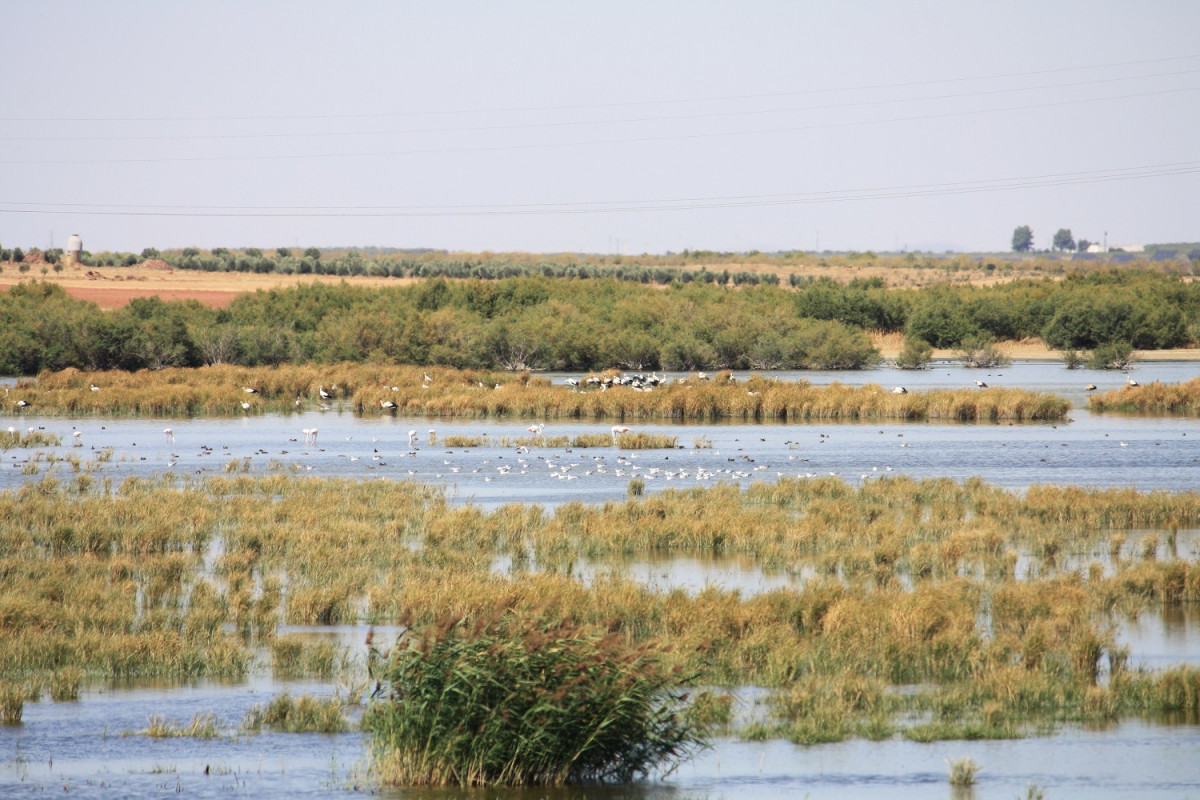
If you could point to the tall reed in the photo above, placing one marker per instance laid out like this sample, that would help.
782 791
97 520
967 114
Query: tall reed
504 701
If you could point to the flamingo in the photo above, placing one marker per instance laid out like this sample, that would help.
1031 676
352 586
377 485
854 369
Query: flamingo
310 435
170 434
617 430
412 438
77 434
537 429
387 405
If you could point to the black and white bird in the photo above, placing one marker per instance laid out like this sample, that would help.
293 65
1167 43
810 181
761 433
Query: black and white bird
324 394
899 390
981 384
249 390
387 404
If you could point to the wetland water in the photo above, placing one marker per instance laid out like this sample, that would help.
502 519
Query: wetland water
78 747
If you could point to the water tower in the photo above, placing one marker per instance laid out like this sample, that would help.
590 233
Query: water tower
73 256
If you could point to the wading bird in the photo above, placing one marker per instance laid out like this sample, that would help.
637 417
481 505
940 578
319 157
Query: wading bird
245 406
95 388
899 390
537 429
324 394
412 438
1132 382
981 384
170 434
387 405
616 430
249 390
1091 387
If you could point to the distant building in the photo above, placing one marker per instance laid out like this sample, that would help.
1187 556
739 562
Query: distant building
73 255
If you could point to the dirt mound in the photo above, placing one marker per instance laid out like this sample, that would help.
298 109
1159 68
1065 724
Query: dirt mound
156 263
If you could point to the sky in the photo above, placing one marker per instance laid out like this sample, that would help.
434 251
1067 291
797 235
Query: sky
599 127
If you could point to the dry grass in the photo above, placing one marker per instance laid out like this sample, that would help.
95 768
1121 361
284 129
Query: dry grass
908 582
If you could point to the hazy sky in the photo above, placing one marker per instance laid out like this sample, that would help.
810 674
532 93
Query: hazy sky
599 126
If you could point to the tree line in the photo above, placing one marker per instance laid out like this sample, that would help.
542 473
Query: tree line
594 324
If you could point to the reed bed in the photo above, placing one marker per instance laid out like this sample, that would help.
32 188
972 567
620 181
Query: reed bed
381 389
900 582
1153 398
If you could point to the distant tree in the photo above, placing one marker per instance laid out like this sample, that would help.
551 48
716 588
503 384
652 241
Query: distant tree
149 253
1022 240
254 252
1063 240
313 253
191 252
283 252
1082 245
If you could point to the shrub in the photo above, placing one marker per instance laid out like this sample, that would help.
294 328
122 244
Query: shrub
501 701
915 355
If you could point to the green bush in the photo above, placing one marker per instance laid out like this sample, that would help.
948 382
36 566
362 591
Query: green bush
502 701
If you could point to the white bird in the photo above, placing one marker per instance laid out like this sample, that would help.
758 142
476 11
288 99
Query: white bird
427 378
249 390
1091 387
537 428
981 384
22 404
617 430
95 388
310 435
245 406
324 394
412 438
899 390
1132 382
170 434
77 434
387 404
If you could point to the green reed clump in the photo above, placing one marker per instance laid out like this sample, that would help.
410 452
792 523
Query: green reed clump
11 437
12 703
295 657
303 714
646 441
506 701
65 683
1156 397
202 726
962 771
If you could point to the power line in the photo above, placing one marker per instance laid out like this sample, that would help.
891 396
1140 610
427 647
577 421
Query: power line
628 103
593 142
604 207
578 123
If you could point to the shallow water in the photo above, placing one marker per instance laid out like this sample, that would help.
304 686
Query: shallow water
78 748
